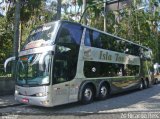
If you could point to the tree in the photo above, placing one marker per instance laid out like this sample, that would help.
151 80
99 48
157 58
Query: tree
59 6
6 41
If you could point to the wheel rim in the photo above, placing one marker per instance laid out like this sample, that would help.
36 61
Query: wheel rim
141 85
145 83
88 94
103 91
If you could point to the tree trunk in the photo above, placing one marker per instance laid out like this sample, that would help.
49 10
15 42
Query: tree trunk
105 29
16 35
59 5
85 16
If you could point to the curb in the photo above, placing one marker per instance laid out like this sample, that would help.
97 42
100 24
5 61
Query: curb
12 105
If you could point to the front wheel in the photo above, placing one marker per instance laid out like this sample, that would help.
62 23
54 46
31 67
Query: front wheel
87 94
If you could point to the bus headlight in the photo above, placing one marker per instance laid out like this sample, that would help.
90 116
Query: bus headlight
46 102
41 94
16 92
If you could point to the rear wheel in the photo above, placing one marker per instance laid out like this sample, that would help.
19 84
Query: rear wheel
145 84
87 94
141 85
148 85
156 81
103 92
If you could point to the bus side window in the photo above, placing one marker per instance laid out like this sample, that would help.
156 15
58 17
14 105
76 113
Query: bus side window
104 41
97 40
122 46
117 44
87 40
65 36
70 33
132 70
93 38
136 50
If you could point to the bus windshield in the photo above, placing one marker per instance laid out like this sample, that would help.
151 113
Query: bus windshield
40 36
31 72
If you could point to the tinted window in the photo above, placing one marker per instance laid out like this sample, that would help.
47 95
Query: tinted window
132 70
100 69
108 42
42 32
101 40
65 63
93 38
87 40
132 49
70 33
97 39
66 53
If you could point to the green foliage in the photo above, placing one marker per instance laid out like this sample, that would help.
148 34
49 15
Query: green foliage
129 23
32 14
139 26
6 40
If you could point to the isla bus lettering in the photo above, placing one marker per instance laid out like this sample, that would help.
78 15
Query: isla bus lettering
118 57
107 56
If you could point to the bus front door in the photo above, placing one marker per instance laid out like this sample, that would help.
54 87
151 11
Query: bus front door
61 84
61 93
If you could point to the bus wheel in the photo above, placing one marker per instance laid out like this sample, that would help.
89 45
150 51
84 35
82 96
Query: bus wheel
87 94
147 81
145 84
156 81
141 86
103 92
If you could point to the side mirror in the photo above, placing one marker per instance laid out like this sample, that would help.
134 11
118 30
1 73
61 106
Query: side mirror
7 61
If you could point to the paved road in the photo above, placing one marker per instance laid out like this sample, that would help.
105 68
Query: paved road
143 104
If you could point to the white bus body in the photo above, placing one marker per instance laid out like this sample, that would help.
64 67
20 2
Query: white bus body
64 62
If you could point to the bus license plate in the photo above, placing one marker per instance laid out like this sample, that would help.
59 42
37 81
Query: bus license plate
25 100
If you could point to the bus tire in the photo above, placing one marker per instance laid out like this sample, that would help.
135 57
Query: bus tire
103 92
145 84
87 94
141 86
156 81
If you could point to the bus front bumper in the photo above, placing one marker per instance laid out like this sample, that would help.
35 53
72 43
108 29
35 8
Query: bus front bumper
33 100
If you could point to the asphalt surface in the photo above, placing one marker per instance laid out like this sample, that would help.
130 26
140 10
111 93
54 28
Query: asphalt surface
144 104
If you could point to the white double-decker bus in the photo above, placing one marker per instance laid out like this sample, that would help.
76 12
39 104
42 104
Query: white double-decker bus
63 62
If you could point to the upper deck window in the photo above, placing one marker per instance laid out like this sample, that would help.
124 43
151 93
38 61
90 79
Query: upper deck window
43 32
109 42
40 35
93 38
70 33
